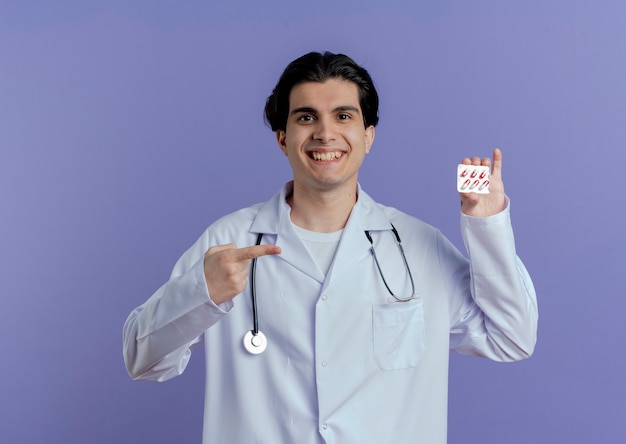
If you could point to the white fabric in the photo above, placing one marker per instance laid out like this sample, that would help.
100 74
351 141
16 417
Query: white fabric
342 365
321 246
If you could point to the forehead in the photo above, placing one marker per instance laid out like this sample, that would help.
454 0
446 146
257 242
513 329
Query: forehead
331 93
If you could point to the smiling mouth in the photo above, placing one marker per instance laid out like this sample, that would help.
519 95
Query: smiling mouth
325 157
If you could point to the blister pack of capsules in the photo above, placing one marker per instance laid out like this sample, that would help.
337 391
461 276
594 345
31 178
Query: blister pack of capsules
472 179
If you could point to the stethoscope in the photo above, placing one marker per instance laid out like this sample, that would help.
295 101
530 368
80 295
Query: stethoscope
255 342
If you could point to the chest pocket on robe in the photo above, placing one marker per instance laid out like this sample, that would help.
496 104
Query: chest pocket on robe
398 334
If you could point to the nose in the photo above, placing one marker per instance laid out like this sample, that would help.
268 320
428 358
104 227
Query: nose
324 131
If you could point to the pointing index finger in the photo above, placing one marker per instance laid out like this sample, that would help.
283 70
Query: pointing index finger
248 253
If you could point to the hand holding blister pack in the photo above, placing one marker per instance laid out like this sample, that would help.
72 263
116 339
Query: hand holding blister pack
472 179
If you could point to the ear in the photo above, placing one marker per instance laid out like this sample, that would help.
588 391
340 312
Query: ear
280 138
370 133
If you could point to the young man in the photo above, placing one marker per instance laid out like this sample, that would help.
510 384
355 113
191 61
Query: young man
346 337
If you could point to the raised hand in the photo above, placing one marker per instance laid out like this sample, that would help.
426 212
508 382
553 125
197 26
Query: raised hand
484 205
226 268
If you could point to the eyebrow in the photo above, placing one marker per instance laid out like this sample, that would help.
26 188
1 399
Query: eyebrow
308 109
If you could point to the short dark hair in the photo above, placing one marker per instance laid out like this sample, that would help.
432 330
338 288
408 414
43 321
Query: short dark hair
317 67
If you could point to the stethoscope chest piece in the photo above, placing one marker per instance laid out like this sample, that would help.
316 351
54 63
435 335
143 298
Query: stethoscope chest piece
254 343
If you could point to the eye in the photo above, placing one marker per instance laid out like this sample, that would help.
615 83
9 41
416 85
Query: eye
305 118
344 116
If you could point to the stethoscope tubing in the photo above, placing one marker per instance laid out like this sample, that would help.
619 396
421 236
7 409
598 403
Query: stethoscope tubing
255 314
406 265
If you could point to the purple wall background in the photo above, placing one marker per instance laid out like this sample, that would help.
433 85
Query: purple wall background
125 129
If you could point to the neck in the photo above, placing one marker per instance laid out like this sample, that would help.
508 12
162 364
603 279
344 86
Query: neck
323 212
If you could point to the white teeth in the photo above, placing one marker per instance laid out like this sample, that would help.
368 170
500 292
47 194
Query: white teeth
324 157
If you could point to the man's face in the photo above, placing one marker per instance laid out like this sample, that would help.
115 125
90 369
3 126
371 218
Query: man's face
325 137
